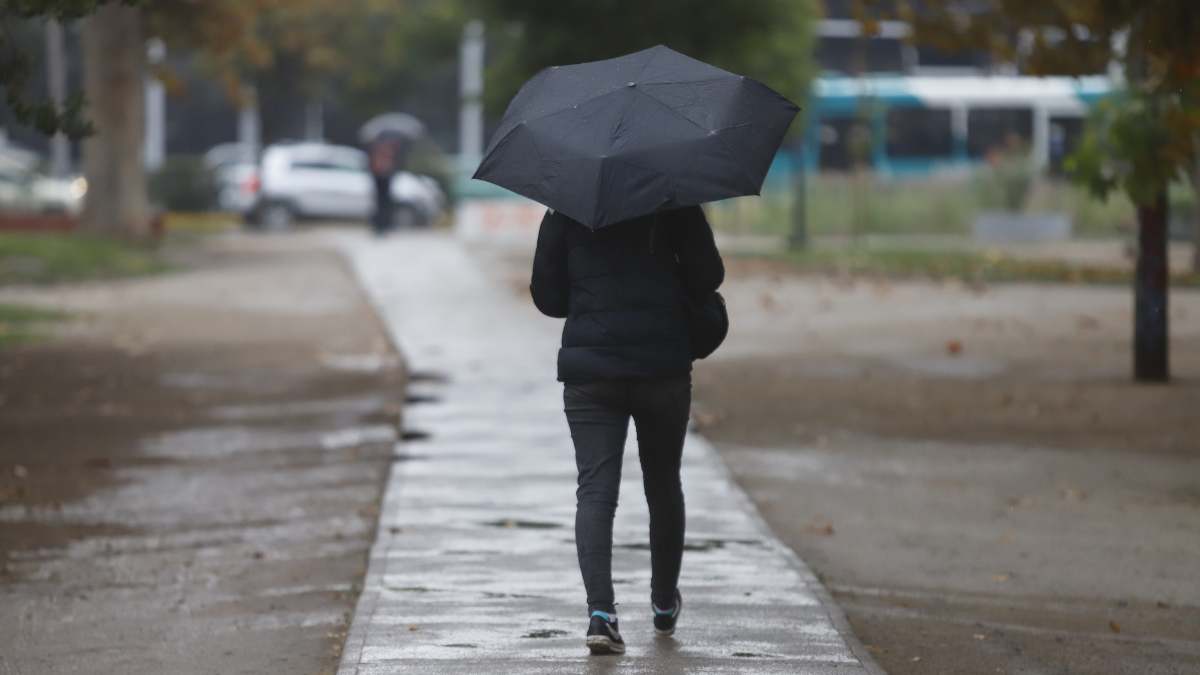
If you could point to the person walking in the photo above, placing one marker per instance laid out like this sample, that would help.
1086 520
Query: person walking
385 156
389 139
622 151
625 292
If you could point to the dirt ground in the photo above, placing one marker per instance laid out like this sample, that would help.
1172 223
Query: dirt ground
970 470
190 472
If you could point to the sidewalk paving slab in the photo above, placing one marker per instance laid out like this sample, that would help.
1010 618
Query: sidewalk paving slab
474 567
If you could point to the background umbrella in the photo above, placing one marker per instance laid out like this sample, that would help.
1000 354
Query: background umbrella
609 140
396 124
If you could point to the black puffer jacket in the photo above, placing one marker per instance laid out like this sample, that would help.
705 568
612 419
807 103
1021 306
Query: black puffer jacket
622 290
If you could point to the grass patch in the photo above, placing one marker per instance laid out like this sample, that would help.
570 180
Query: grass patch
53 258
19 324
967 266
200 222
866 205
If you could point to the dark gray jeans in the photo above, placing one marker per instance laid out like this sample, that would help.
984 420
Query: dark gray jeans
598 414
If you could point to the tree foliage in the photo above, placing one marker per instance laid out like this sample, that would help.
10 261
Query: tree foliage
1139 141
16 66
769 40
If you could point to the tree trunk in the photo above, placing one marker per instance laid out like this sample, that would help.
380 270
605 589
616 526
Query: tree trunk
114 56
1150 345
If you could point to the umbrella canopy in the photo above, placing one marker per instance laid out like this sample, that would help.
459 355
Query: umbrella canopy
609 140
396 124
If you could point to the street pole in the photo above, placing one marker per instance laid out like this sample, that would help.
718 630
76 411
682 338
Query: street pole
798 237
249 129
314 121
56 80
470 78
155 151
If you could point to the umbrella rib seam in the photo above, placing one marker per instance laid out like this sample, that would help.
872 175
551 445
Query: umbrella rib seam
720 141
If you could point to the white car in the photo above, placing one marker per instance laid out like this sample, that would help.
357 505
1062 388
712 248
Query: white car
22 189
331 182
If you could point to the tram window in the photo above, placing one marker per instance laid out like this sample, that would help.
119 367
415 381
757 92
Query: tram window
919 132
1064 139
931 57
852 55
844 143
990 129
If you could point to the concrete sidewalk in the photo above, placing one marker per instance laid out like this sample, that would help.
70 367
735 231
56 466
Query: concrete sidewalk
474 566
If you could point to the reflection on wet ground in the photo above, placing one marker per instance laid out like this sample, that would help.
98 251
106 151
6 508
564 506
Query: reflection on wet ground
202 503
476 573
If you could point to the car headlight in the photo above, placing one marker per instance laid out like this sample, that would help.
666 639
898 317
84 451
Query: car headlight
79 187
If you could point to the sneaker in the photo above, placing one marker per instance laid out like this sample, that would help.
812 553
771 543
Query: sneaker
664 619
603 636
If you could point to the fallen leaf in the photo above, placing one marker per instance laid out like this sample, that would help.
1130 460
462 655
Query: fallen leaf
704 420
1072 494
1000 578
413 627
1114 626
823 529
954 347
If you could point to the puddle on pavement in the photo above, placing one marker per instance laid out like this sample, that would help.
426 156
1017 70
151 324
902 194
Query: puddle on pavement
420 399
460 645
492 595
415 435
409 457
513 523
753 655
700 545
358 363
428 376
356 436
545 633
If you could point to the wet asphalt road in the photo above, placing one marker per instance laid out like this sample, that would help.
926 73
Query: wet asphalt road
474 567
190 475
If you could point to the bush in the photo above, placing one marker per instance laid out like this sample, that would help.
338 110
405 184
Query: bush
184 184
1005 184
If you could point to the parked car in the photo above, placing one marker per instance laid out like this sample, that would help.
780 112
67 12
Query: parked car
234 167
23 189
320 181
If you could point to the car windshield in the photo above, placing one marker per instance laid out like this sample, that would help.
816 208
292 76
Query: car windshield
331 161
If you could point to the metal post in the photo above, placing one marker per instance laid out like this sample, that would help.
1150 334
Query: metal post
798 237
470 76
1040 145
155 151
56 80
249 133
314 121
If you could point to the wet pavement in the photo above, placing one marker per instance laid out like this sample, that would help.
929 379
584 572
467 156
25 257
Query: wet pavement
474 566
190 475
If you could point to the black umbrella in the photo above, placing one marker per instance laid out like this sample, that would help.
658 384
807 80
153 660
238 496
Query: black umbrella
610 140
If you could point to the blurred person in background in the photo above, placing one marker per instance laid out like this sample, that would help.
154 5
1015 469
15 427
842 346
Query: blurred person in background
387 155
